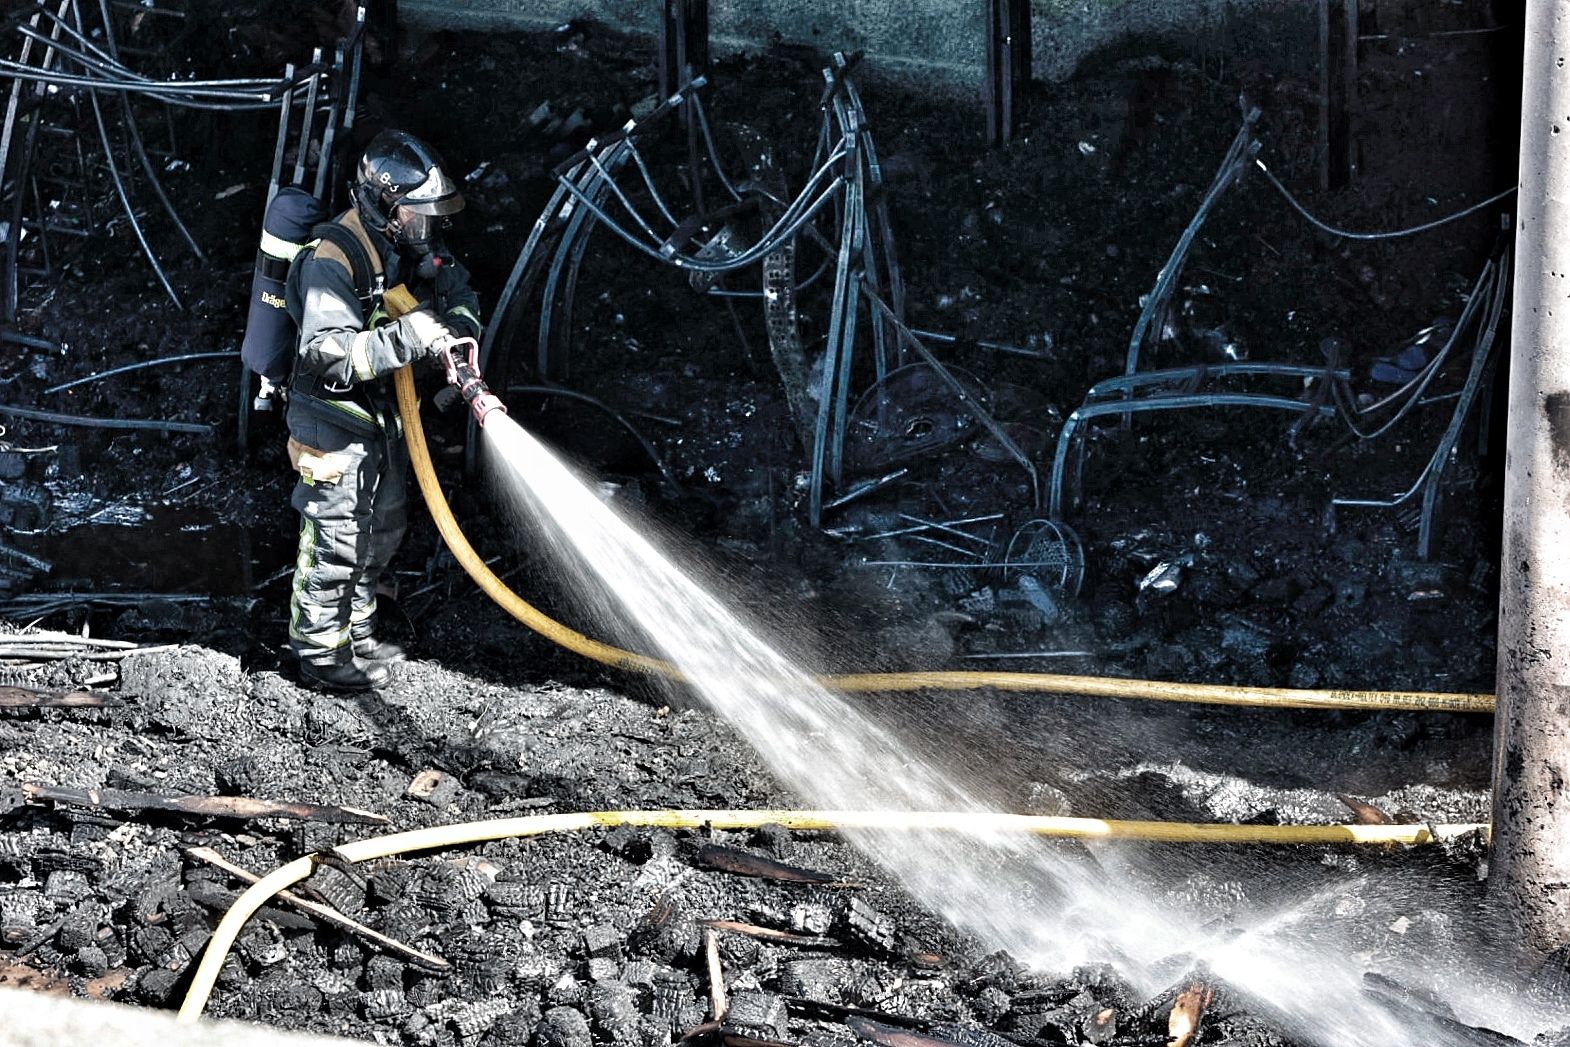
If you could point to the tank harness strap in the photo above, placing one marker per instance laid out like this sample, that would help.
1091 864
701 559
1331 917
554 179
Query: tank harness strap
366 279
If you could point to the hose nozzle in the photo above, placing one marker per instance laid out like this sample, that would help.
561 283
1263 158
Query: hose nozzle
463 374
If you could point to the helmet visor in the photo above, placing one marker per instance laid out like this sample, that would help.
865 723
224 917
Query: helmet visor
416 228
437 195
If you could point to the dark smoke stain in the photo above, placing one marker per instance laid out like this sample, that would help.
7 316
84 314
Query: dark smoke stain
1556 406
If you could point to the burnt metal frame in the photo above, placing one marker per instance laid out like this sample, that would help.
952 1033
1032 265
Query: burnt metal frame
868 286
846 172
1431 478
331 91
60 64
1111 397
1008 67
1243 148
1071 436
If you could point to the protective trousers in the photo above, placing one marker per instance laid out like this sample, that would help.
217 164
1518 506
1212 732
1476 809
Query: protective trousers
353 503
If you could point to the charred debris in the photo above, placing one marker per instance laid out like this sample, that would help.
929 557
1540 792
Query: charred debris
1025 426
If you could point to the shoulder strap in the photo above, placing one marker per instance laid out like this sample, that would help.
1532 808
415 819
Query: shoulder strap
349 245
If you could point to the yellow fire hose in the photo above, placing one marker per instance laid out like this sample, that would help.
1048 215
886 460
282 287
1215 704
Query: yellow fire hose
1042 683
441 836
975 822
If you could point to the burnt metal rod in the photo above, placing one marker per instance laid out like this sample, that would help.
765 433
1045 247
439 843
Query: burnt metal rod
1131 382
1393 234
141 147
802 210
330 129
325 913
615 415
952 527
35 562
1085 412
111 64
175 91
285 107
140 365
980 557
57 418
307 120
1031 654
925 524
866 487
13 235
211 806
980 343
1244 146
837 344
648 181
123 193
965 396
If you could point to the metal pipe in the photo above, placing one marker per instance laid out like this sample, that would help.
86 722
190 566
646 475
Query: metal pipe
980 343
125 200
56 418
307 120
275 182
1085 412
139 365
615 415
1530 863
140 147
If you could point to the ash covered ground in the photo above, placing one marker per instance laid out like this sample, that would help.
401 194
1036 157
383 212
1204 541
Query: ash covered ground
1047 244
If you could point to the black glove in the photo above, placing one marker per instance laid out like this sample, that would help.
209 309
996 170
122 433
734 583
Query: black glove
462 322
451 279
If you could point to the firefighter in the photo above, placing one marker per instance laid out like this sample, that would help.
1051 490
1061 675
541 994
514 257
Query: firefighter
345 437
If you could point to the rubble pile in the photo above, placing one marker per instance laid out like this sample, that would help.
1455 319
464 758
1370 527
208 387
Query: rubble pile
626 935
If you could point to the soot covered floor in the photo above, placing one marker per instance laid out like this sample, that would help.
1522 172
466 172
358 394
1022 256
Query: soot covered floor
1208 553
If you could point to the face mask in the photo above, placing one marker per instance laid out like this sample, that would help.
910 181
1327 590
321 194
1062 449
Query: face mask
416 233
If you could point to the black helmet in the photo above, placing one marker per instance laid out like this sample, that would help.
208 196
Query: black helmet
401 191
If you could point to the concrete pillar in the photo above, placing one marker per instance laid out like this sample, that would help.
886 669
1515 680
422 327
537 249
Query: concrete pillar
1530 872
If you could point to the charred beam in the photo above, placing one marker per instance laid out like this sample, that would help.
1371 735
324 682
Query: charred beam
893 1035
683 43
27 698
1337 92
1367 813
769 934
745 863
1008 67
209 806
711 952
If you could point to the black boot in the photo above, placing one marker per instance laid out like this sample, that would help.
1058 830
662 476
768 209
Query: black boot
342 671
368 648
384 652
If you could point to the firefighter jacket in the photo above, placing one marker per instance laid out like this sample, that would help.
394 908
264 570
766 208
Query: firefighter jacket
347 346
